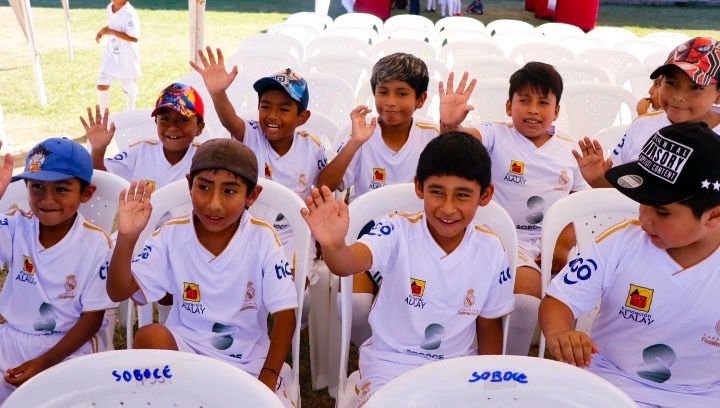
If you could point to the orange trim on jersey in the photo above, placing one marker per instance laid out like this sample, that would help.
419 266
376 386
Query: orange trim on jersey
311 137
615 228
152 142
651 113
265 224
485 230
413 217
566 139
426 125
26 214
96 228
195 144
174 221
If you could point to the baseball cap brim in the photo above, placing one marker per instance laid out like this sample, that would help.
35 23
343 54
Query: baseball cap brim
664 70
43 175
263 84
633 181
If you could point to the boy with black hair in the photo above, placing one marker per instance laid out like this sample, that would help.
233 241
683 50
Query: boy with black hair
430 258
207 260
533 167
54 297
656 335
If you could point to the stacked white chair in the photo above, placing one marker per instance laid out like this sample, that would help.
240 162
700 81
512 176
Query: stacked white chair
260 63
409 20
131 126
611 36
587 107
336 44
612 61
578 43
577 71
508 25
489 99
330 95
364 34
641 48
668 39
365 20
241 93
320 22
453 51
458 22
540 51
655 59
279 42
325 129
511 39
486 67
418 48
636 79
610 137
302 32
412 33
353 69
554 31
453 35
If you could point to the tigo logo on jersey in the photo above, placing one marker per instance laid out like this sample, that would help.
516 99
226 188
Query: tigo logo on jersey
70 285
417 290
191 292
639 298
517 167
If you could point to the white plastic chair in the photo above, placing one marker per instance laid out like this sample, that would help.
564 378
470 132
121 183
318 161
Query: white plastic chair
489 99
378 203
412 33
132 125
335 44
241 93
655 59
325 129
508 25
366 20
318 21
668 39
409 20
499 381
451 35
591 212
554 31
611 35
486 67
641 48
612 61
458 23
636 79
135 378
364 34
417 48
279 42
577 71
540 51
302 32
353 69
453 51
260 63
330 95
610 137
578 43
587 107
511 39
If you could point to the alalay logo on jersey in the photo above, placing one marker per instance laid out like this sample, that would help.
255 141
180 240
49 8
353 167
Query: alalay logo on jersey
637 305
516 172
417 290
27 274
379 178
191 298
249 302
468 304
70 285
714 338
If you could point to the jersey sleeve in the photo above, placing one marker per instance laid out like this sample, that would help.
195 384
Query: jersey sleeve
279 291
321 160
500 300
382 241
7 229
487 134
619 153
579 183
132 25
94 295
151 269
122 164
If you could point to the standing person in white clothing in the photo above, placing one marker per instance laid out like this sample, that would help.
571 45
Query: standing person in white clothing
226 269
54 297
121 58
689 91
657 279
532 167
445 280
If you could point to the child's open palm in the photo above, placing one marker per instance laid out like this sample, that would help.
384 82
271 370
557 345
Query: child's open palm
5 172
96 128
135 208
591 161
327 218
361 130
454 102
213 71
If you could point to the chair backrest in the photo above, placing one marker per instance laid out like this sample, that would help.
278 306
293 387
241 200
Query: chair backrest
365 20
499 381
100 210
241 93
508 25
579 43
540 51
402 197
458 22
591 212
276 42
611 35
325 129
511 39
655 59
259 63
316 20
554 31
417 48
452 35
641 48
453 51
302 32
132 125
588 107
412 33
577 71
610 137
364 34
273 196
353 69
330 95
668 39
612 61
137 378
636 79
409 20
489 99
486 67
335 44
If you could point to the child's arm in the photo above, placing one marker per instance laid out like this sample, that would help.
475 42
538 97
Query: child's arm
329 221
5 172
454 107
592 162
333 173
565 343
133 215
99 135
280 344
86 327
489 333
217 80
119 34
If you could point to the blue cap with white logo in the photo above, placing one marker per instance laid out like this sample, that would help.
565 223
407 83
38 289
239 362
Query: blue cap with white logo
289 81
56 159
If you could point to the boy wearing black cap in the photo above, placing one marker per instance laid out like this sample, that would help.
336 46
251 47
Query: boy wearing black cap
657 335
208 261
54 296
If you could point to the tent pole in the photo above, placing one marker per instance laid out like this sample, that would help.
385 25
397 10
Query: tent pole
68 35
37 69
197 28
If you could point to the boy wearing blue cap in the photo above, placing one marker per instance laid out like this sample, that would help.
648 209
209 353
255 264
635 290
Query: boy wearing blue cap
54 296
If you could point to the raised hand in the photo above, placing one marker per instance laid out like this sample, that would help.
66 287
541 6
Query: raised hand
591 160
213 71
135 208
96 128
6 168
327 218
361 131
454 102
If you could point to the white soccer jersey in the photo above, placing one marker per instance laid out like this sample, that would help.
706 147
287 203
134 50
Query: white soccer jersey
429 300
47 289
657 330
121 58
221 302
375 165
145 160
639 132
529 179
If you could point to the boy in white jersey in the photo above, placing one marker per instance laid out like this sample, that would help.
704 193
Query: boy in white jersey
54 295
225 268
532 167
121 58
657 335
178 115
689 91
445 281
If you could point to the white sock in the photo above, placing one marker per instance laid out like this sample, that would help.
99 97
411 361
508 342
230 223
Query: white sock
103 99
130 98
163 312
360 328
522 324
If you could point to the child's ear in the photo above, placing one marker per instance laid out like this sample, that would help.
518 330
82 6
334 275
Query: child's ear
253 196
557 110
189 180
420 101
87 194
419 189
486 195
303 117
200 127
508 107
717 99
713 217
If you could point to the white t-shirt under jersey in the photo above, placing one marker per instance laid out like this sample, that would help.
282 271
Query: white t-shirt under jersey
429 300
657 331
639 132
375 165
121 58
221 302
529 179
145 160
47 289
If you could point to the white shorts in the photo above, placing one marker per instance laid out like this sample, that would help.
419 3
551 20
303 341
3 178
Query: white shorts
17 347
281 390
528 252
375 373
128 85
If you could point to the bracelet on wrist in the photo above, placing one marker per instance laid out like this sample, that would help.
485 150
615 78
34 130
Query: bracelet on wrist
272 370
